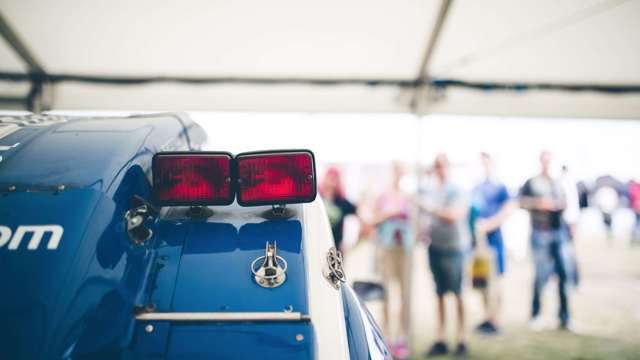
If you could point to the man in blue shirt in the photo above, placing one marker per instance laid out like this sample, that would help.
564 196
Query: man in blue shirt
491 205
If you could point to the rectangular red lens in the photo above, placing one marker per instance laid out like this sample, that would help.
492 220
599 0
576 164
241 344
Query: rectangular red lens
192 178
272 178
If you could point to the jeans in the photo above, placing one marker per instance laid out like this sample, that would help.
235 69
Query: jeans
547 248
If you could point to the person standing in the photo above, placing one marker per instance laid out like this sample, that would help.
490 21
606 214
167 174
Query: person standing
544 198
634 198
607 198
395 245
570 218
571 213
447 208
338 207
492 205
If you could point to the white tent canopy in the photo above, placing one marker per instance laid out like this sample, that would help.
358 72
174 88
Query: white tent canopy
268 56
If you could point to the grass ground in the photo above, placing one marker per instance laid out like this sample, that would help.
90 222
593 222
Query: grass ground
605 308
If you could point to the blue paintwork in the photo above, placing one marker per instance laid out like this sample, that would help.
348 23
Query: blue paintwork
93 152
205 268
212 258
242 341
364 336
78 299
225 341
215 257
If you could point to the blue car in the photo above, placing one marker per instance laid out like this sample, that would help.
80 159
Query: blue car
120 239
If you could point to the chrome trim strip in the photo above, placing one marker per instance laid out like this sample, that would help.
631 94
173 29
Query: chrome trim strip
222 316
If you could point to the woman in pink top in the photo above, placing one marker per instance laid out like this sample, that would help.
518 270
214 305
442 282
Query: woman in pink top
634 197
395 242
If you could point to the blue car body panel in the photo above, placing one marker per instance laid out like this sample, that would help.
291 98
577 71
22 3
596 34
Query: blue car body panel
225 341
78 298
214 254
205 268
364 337
93 152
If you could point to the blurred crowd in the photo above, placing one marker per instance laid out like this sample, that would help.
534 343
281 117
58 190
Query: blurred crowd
462 231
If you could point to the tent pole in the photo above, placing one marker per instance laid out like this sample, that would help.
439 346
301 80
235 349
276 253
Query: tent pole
38 98
423 72
419 106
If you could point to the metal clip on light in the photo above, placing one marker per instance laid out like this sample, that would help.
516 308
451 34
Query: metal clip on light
135 218
334 271
272 271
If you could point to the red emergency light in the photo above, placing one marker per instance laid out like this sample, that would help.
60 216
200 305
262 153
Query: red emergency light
213 178
275 177
193 178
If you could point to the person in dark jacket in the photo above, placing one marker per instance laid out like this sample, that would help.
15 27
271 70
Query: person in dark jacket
543 196
337 205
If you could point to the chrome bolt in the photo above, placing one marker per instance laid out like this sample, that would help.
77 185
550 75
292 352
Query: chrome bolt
12 188
299 337
148 328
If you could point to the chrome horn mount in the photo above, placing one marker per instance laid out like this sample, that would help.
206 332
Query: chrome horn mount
334 271
135 218
135 225
272 272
